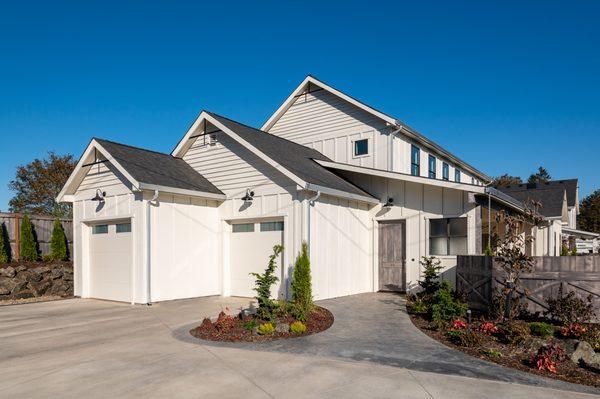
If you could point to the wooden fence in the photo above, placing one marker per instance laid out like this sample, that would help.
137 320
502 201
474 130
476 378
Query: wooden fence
478 277
42 227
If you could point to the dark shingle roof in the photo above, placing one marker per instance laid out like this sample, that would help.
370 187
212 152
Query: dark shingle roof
549 194
296 158
156 168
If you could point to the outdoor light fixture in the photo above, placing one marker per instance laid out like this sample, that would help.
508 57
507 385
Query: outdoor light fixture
249 196
99 195
389 203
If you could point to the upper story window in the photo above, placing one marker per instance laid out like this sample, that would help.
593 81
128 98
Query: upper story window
361 147
445 171
448 236
457 175
472 180
432 166
415 160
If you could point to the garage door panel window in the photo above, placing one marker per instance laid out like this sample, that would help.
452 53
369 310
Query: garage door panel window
271 226
448 236
100 229
243 228
123 227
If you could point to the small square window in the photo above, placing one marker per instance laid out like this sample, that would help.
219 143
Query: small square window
271 226
100 229
243 228
123 227
361 147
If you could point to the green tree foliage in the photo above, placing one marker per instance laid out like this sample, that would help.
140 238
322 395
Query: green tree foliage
28 244
5 255
431 274
302 285
541 176
58 243
263 286
37 184
589 218
506 180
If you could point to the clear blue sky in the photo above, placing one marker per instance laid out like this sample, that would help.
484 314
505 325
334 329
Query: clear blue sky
507 86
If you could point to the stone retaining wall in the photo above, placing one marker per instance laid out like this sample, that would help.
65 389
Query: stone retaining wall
23 280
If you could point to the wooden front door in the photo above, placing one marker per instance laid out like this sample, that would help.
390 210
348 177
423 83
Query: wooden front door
392 262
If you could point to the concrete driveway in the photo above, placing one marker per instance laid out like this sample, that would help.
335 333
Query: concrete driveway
86 348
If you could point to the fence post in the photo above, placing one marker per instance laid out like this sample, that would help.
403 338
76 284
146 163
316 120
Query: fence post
17 237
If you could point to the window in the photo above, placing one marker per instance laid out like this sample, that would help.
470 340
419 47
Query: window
432 167
457 175
445 171
243 228
100 229
271 226
448 236
123 227
472 180
361 147
415 160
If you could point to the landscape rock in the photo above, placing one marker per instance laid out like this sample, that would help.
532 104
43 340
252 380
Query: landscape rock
282 327
6 286
20 268
584 353
40 288
20 281
57 273
8 272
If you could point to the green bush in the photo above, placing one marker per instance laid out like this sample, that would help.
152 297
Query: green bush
298 327
491 353
514 333
541 329
466 337
266 329
58 243
263 286
4 244
431 275
302 286
249 325
418 305
488 251
28 245
569 309
446 307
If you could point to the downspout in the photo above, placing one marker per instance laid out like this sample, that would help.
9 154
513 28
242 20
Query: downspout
148 247
311 202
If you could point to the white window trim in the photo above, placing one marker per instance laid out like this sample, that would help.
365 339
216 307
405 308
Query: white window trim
369 147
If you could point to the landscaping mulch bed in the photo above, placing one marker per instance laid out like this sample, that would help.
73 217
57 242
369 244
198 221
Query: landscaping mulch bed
518 357
46 298
232 328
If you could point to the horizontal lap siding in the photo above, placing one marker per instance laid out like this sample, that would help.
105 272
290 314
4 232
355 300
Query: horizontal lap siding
103 176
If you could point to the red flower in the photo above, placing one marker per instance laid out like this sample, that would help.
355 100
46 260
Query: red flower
574 330
488 328
458 325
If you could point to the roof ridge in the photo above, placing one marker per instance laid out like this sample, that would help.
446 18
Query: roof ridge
134 147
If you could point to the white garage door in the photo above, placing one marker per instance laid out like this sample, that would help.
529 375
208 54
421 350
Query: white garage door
251 245
110 261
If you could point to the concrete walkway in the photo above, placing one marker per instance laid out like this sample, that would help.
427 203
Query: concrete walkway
93 349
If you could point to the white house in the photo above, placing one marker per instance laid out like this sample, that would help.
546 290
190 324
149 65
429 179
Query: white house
369 194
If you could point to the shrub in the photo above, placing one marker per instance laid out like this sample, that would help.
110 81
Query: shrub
249 325
488 328
564 250
58 242
592 337
541 329
431 274
514 333
488 251
28 245
568 309
491 353
458 324
573 330
418 305
547 357
298 327
498 307
466 337
266 329
263 286
4 244
446 307
224 322
302 286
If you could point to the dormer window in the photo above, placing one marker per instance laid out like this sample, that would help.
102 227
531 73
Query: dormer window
361 147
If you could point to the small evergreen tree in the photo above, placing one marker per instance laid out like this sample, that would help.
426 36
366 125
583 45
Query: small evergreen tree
302 285
431 272
4 244
541 176
263 286
58 243
488 251
28 246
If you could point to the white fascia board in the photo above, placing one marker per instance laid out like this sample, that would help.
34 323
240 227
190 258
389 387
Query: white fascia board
404 177
342 194
181 191
62 196
182 143
310 79
579 232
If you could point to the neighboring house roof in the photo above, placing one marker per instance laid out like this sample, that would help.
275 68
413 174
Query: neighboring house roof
550 194
296 158
157 168
404 128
